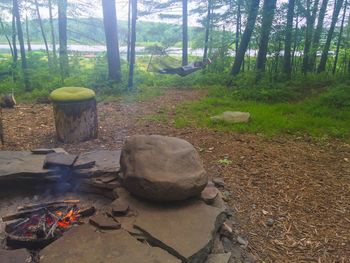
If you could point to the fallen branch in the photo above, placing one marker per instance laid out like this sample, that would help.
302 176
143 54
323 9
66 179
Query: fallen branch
26 207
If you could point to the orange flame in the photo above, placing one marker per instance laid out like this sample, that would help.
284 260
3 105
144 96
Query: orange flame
70 218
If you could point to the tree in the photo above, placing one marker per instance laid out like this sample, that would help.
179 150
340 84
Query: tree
132 44
317 35
268 13
62 32
207 30
253 12
53 38
337 6
287 62
21 44
184 32
310 14
111 33
14 40
6 36
42 31
339 38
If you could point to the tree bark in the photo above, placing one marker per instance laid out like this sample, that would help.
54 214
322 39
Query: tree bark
207 31
62 31
339 38
43 32
324 57
76 121
317 34
111 33
129 30
253 12
22 48
14 39
27 34
287 62
238 25
53 37
133 44
268 14
184 32
310 21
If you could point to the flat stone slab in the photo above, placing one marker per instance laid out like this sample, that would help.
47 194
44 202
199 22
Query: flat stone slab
14 256
21 164
219 258
53 160
186 229
104 223
106 162
84 244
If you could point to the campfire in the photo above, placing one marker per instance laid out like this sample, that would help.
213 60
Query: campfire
38 225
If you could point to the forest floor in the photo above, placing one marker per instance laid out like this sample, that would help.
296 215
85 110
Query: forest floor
300 186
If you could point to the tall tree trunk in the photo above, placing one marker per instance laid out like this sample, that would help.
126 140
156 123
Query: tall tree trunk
133 44
238 24
287 62
253 12
27 34
7 37
268 14
14 38
111 32
53 37
62 32
317 34
207 31
339 38
184 32
296 39
129 31
21 44
42 31
337 6
310 22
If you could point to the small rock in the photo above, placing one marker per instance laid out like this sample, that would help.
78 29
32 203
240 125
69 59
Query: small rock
219 258
104 223
218 247
219 182
242 241
227 244
232 117
226 230
209 194
42 151
270 222
226 195
120 207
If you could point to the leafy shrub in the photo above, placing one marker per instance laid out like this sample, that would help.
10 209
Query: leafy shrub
338 97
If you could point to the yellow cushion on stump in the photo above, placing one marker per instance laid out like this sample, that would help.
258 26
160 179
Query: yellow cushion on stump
68 94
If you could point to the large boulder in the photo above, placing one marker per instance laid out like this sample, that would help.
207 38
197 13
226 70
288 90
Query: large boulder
162 168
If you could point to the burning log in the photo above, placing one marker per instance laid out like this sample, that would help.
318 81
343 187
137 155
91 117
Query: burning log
25 207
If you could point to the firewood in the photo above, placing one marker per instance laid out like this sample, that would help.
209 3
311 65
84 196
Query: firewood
26 207
8 101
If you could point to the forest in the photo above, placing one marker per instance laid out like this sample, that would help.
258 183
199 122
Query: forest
172 66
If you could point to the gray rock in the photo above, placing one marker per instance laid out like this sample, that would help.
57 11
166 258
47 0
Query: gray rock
22 165
270 222
162 168
226 230
84 244
14 256
106 163
209 194
232 117
227 244
218 182
219 258
104 223
186 230
119 207
242 241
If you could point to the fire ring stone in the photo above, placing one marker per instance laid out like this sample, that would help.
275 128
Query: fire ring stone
160 168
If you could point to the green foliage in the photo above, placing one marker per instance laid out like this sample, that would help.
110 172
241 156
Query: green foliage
338 97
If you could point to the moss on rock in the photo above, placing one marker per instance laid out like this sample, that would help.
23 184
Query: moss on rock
69 94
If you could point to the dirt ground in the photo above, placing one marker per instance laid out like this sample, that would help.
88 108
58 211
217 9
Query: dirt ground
291 197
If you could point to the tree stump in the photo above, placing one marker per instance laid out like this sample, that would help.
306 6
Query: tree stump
75 111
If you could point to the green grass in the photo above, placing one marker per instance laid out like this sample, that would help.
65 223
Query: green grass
308 117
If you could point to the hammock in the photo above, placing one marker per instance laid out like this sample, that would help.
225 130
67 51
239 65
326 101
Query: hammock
160 62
